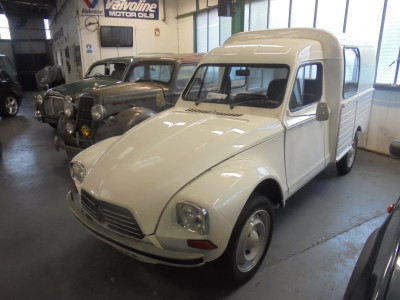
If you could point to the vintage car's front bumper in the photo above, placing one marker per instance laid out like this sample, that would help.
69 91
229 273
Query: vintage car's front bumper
147 249
60 144
39 116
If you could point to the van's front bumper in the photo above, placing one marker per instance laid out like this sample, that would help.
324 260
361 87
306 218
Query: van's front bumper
148 249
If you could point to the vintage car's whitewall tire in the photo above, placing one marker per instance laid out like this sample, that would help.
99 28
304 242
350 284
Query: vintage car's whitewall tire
9 107
345 164
249 241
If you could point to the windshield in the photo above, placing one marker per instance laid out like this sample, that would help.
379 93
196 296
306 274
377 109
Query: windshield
239 85
115 70
151 71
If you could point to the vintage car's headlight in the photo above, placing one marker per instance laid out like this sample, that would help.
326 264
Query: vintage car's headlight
38 100
68 109
77 171
192 217
69 128
98 112
68 98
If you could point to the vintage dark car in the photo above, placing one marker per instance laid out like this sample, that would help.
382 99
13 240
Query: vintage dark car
377 271
50 104
10 95
155 84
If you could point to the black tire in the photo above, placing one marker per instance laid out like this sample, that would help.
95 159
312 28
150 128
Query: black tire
249 241
53 125
394 148
345 164
9 106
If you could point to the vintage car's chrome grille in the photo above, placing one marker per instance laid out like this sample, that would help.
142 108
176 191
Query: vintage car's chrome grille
213 112
53 106
84 112
110 216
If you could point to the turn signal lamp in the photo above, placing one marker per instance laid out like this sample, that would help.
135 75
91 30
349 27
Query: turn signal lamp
390 208
85 130
201 244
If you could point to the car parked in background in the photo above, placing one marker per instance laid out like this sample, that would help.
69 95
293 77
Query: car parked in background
10 95
377 271
50 104
6 65
153 84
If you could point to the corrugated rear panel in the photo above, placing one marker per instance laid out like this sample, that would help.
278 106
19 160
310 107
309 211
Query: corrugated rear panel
364 110
354 113
346 128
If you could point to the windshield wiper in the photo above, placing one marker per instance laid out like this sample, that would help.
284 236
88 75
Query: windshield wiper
243 98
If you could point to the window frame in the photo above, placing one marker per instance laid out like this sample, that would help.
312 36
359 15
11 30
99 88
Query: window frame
320 91
196 26
352 92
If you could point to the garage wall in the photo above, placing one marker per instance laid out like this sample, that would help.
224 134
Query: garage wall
149 36
65 35
30 48
186 24
384 123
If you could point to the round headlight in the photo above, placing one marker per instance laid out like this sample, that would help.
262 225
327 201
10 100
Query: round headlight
68 98
191 217
98 112
77 171
68 109
69 128
38 100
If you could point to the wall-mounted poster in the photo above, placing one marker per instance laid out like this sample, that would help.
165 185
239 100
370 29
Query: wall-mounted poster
132 9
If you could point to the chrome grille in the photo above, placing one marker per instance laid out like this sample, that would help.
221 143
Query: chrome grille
110 216
85 112
53 106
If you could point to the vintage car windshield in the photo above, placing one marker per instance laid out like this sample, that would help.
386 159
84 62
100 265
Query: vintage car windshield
184 73
115 70
151 71
239 85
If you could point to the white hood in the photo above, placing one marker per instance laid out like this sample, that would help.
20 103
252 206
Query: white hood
155 159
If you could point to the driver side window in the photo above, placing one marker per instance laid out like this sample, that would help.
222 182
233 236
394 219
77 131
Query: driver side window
307 88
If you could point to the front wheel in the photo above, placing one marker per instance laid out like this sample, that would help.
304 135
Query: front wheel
9 107
249 241
345 164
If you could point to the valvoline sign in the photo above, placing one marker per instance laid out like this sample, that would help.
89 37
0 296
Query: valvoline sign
91 8
132 9
91 4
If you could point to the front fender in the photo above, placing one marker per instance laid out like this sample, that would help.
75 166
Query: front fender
120 123
223 191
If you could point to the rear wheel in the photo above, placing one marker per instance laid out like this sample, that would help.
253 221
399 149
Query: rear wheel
9 107
249 241
345 164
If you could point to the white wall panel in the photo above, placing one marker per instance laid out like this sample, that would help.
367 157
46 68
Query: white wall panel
384 123
185 35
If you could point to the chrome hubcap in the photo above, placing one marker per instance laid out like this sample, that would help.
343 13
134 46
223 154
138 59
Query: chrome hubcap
253 240
11 105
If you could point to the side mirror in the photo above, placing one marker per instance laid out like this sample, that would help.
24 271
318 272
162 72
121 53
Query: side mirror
160 100
394 148
322 113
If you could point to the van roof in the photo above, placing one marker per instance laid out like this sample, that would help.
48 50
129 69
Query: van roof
279 46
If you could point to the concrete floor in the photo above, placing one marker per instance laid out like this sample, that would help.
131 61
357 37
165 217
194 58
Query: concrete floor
46 254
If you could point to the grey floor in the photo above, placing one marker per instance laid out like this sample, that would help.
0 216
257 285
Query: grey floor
46 254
